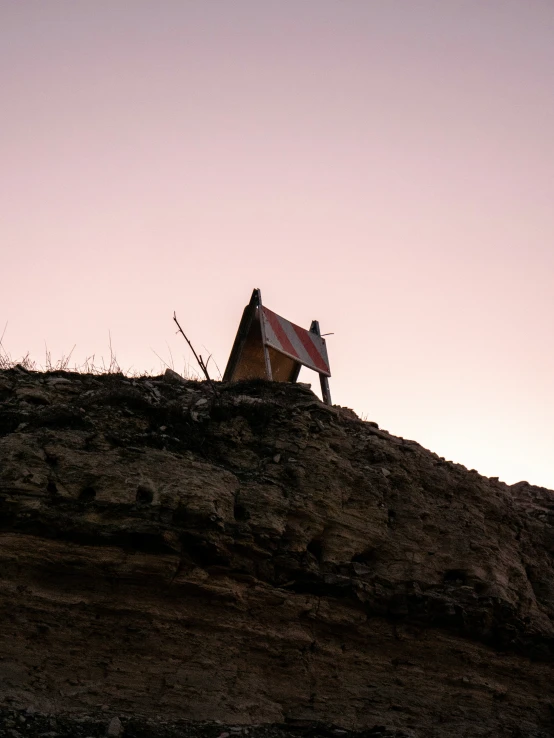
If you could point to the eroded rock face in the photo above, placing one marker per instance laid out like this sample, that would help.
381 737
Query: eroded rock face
259 558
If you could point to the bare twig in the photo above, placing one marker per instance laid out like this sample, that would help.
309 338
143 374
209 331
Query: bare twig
114 364
171 355
67 359
189 371
160 358
2 337
198 358
215 362
47 358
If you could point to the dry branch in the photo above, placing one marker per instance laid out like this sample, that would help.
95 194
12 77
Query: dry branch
198 358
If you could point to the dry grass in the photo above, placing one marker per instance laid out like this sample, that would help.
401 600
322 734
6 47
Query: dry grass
93 364
89 366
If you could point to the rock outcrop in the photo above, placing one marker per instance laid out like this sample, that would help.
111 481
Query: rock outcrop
259 559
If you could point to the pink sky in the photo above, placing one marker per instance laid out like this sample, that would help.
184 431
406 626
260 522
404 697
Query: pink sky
386 167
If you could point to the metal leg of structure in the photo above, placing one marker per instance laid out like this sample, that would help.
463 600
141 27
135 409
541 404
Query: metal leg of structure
325 391
324 381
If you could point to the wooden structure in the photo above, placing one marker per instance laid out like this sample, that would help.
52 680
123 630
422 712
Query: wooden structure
268 346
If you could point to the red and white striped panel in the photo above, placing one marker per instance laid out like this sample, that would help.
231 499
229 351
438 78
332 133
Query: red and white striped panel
307 348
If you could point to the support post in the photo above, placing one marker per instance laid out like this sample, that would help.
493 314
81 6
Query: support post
324 381
269 373
248 316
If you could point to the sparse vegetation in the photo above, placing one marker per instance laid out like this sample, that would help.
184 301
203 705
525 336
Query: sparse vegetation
99 365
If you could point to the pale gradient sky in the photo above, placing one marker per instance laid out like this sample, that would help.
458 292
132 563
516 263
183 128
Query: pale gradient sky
384 166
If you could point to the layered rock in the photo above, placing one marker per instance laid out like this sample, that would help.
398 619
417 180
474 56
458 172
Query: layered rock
260 558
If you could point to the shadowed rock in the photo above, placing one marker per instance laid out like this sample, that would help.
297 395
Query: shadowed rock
259 558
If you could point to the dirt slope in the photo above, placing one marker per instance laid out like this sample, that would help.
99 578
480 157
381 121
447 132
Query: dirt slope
259 559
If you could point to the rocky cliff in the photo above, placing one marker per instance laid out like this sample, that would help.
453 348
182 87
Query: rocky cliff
258 562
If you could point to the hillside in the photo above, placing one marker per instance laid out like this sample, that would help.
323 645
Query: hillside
261 560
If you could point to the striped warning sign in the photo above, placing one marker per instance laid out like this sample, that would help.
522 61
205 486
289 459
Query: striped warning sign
304 346
269 347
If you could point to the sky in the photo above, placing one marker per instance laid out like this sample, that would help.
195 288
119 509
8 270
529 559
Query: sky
383 166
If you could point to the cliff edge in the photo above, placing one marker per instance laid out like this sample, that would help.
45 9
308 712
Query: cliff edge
258 561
